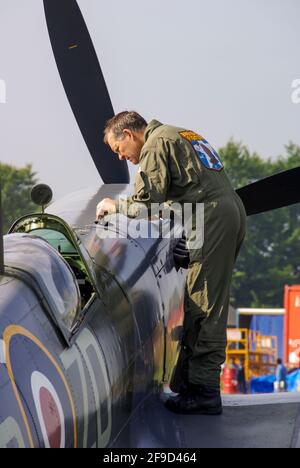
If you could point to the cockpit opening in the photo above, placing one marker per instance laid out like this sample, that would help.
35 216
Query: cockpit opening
66 249
58 236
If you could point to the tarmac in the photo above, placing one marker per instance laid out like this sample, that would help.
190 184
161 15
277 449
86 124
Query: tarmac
248 421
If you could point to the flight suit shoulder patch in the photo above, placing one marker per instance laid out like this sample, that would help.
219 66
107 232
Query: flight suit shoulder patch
207 155
190 136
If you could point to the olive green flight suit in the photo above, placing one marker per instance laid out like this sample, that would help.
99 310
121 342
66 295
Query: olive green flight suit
180 166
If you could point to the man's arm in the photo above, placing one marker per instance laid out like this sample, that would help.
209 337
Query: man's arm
152 181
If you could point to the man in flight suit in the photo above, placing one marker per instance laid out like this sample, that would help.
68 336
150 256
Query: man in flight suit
178 165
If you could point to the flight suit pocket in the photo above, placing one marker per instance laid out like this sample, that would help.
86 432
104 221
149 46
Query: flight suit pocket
141 184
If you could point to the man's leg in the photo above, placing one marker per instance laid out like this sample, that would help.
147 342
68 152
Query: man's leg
209 294
207 303
191 330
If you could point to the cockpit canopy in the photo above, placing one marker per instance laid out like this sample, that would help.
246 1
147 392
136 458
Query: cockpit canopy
37 259
66 242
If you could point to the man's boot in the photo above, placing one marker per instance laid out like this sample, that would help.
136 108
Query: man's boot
199 399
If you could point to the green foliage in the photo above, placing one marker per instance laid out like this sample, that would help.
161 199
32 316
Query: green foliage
16 186
270 257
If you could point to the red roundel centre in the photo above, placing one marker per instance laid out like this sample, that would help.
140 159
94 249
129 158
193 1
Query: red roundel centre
51 418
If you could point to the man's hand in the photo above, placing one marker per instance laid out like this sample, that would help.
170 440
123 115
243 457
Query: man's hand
106 206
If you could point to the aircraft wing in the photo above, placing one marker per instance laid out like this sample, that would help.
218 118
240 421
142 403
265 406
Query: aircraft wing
248 421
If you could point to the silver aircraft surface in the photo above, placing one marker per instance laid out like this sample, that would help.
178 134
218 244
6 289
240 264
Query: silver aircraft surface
91 316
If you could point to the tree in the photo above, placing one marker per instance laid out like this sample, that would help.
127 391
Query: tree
16 186
270 257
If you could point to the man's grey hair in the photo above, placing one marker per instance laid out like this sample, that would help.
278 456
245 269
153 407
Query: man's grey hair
131 120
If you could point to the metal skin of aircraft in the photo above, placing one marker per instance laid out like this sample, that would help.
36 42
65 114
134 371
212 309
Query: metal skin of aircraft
90 315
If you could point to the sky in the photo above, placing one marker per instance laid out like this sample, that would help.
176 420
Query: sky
222 68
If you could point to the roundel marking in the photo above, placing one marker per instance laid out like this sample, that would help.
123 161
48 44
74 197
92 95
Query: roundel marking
8 334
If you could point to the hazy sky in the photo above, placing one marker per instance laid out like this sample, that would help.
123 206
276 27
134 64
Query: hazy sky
220 67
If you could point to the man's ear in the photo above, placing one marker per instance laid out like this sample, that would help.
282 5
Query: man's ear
127 132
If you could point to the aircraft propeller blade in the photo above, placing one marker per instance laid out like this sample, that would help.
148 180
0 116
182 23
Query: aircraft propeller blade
271 193
84 84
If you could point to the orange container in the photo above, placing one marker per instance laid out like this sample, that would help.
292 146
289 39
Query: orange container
229 379
292 326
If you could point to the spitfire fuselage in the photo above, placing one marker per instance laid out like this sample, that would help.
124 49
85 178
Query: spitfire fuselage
88 322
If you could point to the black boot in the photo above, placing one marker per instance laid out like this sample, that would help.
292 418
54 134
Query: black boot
199 399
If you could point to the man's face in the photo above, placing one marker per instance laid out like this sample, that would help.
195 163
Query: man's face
129 147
